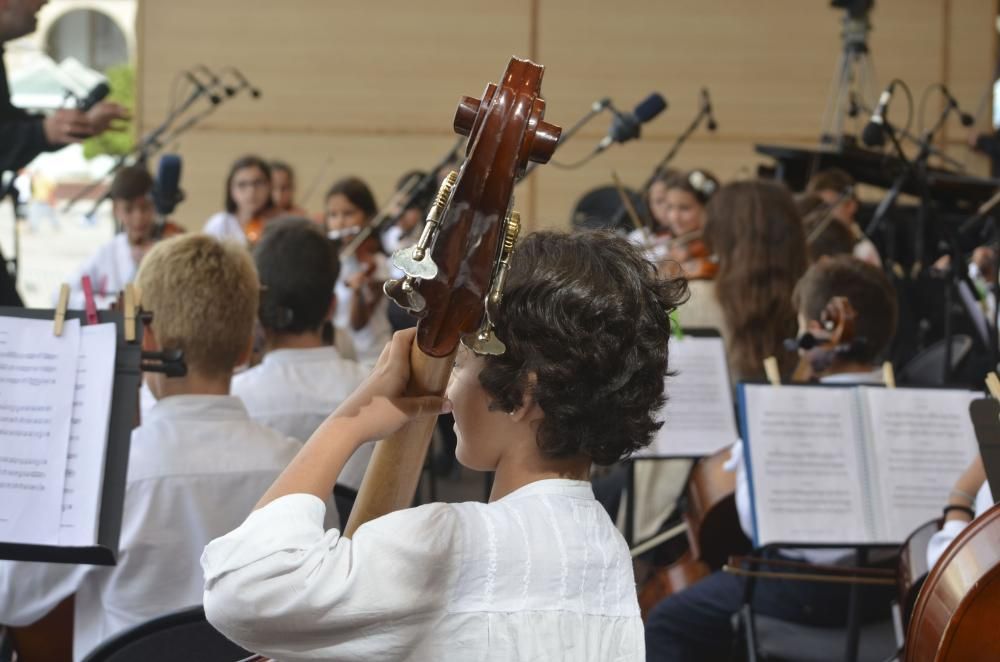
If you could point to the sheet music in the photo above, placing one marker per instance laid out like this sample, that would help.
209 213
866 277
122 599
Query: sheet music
805 465
921 442
699 418
37 376
88 436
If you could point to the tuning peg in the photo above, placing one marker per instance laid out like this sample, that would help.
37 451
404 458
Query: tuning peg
406 296
416 261
484 343
406 259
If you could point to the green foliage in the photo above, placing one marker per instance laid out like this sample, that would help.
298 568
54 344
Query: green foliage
121 79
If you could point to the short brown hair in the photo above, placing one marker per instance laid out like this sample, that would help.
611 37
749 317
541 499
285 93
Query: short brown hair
826 236
131 182
589 318
867 289
203 294
831 179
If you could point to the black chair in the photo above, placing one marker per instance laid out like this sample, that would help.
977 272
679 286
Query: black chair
598 208
182 635
778 640
927 367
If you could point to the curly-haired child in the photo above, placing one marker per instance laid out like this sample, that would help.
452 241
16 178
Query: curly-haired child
539 572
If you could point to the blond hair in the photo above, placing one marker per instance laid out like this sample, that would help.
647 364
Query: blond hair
203 295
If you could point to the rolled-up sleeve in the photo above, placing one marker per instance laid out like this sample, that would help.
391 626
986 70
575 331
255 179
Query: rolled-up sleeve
282 586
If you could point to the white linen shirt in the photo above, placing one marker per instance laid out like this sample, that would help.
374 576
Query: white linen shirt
110 268
226 227
295 390
197 467
541 574
951 528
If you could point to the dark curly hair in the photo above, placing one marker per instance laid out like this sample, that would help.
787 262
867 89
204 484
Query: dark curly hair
298 268
587 317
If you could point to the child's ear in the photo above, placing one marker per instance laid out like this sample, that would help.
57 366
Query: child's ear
244 357
529 409
149 341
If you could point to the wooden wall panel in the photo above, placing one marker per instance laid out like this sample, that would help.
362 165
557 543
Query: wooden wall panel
373 85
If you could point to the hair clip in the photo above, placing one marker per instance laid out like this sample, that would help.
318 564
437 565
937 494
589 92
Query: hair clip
702 183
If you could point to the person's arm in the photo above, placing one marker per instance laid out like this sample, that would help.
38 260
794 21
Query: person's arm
374 411
21 140
24 136
965 496
282 586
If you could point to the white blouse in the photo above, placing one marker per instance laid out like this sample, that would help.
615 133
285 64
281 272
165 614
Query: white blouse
541 574
226 227
371 339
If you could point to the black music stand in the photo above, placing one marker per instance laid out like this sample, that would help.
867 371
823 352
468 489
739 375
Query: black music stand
124 409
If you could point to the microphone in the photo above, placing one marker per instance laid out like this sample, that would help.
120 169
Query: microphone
254 92
215 81
626 126
873 134
212 96
166 187
965 118
706 106
96 95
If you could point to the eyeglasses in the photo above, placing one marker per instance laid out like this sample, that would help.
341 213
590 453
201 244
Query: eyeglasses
246 184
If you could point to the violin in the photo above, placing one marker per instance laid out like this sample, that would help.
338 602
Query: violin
166 229
695 259
254 229
454 275
713 532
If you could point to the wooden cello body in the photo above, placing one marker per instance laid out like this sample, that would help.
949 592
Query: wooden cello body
713 532
956 617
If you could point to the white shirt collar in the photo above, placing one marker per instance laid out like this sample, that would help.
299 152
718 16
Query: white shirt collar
579 489
310 354
201 407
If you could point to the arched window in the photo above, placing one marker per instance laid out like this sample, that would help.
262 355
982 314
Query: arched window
89 36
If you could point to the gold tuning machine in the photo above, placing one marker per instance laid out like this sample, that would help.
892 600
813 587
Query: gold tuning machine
415 261
485 342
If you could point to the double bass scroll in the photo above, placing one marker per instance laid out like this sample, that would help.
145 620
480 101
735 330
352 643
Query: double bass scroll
456 265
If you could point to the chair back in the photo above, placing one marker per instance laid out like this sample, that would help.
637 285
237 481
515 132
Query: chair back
183 635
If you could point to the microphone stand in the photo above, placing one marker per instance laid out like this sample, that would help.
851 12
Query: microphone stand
916 170
596 109
148 142
622 213
955 163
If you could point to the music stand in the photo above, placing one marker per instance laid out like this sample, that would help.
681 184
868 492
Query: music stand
124 408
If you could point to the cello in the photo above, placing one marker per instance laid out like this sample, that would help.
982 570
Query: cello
956 613
454 276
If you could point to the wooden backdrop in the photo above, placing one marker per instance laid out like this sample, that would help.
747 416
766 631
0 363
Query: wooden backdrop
370 87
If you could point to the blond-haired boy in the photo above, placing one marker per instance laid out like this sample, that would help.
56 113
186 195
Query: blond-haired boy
198 463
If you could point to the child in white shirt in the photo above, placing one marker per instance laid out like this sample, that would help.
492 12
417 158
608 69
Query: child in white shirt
114 265
538 573
301 379
197 463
